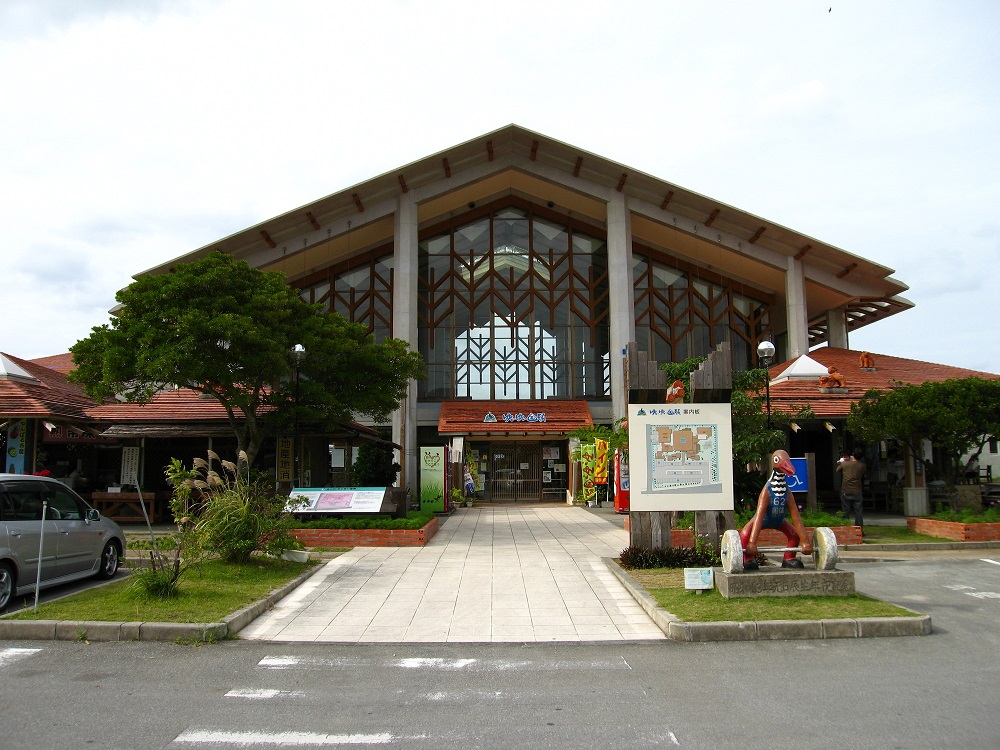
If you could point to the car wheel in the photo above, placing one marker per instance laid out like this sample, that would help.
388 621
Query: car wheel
109 560
6 585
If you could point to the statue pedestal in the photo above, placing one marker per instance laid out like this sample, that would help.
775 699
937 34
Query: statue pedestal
783 582
915 501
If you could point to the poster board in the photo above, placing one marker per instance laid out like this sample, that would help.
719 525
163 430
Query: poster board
680 457
339 500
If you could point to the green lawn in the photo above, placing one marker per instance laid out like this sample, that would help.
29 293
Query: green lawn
666 585
208 592
897 535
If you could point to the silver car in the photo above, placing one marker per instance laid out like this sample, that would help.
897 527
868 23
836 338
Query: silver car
73 541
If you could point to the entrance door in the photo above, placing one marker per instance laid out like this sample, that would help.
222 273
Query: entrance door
516 472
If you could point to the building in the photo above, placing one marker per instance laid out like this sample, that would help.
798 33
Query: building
521 267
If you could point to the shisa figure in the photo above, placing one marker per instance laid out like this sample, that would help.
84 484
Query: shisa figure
675 393
866 361
832 380
772 506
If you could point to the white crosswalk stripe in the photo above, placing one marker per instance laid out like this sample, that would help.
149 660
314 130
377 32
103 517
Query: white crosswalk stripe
11 655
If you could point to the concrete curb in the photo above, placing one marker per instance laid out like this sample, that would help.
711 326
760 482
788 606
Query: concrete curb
767 630
96 631
919 546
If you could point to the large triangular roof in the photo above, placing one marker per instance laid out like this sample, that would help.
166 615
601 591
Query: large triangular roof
516 162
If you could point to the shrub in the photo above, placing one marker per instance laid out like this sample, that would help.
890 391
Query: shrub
414 520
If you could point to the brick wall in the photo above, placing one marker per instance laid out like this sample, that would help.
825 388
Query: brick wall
367 537
961 532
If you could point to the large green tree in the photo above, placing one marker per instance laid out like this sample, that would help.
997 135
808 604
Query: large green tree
958 416
227 330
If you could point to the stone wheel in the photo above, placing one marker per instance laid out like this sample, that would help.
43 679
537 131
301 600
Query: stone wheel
825 549
731 552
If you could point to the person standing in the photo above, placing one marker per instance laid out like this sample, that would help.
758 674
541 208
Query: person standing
852 475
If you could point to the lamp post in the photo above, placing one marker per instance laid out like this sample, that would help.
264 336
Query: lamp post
765 350
298 354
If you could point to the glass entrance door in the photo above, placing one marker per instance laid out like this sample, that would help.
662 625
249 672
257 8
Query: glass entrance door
515 472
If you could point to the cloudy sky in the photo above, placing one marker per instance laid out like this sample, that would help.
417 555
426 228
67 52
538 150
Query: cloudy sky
134 131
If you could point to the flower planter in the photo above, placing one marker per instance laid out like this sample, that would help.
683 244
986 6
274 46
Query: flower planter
367 537
960 532
295 555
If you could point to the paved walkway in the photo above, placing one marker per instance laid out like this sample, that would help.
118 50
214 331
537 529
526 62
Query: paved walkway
490 574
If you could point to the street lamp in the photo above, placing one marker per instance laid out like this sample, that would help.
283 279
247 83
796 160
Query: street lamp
765 350
298 354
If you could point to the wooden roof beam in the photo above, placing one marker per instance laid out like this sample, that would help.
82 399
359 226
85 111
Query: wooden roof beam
534 150
312 220
802 253
489 150
447 167
577 166
357 202
711 218
621 182
847 270
756 236
402 184
666 200
267 238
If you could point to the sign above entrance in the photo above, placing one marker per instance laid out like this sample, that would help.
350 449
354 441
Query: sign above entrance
542 417
519 417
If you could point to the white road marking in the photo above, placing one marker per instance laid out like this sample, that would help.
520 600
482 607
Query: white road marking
281 739
986 559
10 655
263 694
983 594
429 663
673 739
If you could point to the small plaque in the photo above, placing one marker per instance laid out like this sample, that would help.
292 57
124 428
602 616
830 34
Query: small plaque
699 579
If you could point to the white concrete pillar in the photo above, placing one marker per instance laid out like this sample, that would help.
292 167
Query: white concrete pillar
796 314
836 325
404 326
621 297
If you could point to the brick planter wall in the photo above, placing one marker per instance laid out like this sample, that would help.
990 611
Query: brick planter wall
772 538
367 537
960 532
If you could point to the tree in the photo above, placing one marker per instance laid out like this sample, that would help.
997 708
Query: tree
958 416
226 330
753 441
374 466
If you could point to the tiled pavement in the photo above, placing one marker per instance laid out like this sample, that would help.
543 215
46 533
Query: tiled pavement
492 574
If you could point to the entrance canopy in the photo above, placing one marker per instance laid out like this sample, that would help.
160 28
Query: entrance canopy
547 417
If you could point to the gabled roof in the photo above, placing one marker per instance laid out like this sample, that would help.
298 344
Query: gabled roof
40 392
792 394
515 161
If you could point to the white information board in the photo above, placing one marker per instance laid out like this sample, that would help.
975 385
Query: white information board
680 457
336 499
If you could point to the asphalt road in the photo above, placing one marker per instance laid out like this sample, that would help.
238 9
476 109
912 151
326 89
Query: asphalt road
938 691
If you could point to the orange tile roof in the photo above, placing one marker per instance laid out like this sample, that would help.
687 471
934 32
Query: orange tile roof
790 395
51 396
516 417
59 362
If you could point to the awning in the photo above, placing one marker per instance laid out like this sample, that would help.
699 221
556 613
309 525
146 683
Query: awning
547 417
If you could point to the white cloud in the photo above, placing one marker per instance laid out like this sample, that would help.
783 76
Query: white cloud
136 132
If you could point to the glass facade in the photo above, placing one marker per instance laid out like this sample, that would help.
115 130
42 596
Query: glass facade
513 304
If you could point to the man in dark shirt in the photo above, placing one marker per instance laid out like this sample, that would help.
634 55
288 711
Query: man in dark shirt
852 474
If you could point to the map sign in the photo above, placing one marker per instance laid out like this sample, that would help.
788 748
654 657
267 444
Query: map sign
681 457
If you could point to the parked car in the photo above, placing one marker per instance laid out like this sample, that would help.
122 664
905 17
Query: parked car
74 541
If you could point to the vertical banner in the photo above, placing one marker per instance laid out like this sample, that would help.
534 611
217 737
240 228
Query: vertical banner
16 442
285 459
621 480
601 461
588 460
432 478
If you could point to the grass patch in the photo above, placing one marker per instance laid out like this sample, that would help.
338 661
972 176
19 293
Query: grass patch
666 586
208 592
896 535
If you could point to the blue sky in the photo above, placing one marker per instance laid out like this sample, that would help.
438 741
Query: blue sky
135 132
